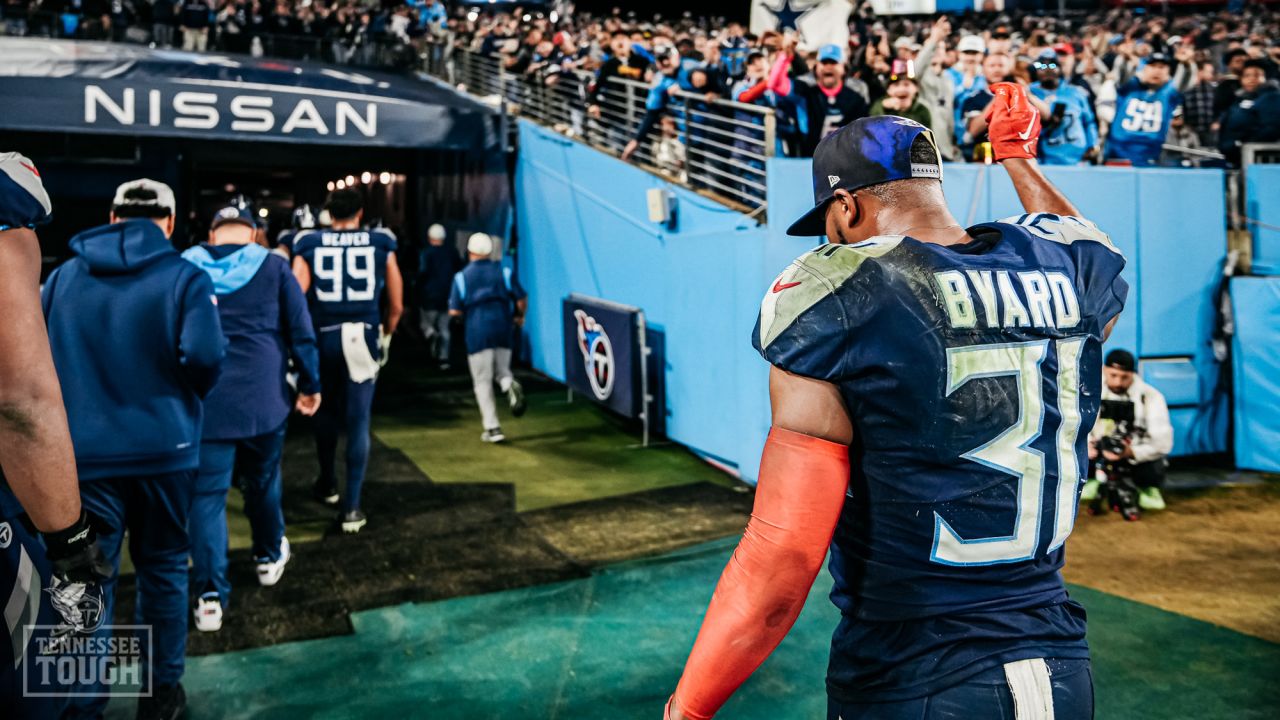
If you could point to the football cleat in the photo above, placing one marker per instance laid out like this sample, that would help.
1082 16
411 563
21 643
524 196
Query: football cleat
515 395
1151 499
352 521
325 493
208 613
167 702
493 435
269 572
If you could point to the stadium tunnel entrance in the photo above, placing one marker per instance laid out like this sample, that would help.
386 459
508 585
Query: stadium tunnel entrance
277 134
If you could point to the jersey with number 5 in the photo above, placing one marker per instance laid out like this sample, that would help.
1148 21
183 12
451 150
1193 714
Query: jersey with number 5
348 273
972 374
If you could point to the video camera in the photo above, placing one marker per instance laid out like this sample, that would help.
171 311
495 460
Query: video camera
1119 412
1117 491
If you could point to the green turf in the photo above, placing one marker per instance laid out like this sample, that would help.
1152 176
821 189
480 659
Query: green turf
611 646
558 453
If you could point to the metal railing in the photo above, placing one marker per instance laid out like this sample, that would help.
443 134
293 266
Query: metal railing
714 146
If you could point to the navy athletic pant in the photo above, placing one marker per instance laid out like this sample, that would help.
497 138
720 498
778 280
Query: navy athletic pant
155 510
255 464
24 575
346 406
986 696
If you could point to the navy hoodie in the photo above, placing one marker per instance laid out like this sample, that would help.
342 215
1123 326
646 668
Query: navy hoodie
137 343
264 316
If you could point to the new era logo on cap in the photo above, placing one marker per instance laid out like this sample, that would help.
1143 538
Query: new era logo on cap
833 179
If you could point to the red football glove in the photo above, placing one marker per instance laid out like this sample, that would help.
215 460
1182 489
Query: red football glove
1013 124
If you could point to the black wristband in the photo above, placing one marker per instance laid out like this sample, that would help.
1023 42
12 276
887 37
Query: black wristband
68 542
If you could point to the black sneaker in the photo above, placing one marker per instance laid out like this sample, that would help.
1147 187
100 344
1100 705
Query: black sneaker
352 521
515 395
325 493
167 702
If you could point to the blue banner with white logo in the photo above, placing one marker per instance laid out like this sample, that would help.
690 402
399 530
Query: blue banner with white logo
602 353
86 87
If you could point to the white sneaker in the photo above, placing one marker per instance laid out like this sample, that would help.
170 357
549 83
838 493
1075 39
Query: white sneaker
269 572
208 613
493 435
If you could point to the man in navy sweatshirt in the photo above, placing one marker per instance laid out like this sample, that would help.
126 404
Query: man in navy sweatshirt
265 319
137 343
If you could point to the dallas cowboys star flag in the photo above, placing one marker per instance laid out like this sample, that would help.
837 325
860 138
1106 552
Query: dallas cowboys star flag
819 22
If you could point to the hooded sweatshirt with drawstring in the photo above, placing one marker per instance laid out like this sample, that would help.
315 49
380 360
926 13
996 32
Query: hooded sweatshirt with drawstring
137 343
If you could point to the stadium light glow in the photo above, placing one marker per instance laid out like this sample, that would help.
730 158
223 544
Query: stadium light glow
366 177
342 185
331 186
384 178
351 179
262 212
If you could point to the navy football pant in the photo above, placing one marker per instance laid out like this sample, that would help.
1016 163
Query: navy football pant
24 575
155 510
346 405
986 696
255 464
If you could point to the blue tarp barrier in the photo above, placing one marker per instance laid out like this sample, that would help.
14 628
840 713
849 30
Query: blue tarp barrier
1256 303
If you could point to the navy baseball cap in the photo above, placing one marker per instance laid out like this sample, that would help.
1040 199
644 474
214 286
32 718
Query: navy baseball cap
866 152
233 214
1157 57
830 53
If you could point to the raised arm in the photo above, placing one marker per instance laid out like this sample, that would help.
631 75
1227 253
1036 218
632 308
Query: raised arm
1014 129
804 474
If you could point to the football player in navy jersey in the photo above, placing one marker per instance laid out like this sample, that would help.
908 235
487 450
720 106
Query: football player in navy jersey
345 271
932 388
47 544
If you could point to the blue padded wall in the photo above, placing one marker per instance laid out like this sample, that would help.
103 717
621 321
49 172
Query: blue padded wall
583 226
1262 203
1256 354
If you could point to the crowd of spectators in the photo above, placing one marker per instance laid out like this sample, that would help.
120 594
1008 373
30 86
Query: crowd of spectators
359 32
1112 86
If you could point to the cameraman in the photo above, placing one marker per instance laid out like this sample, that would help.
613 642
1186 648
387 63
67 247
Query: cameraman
1149 440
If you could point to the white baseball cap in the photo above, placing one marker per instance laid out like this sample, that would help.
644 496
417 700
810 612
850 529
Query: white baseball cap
480 244
145 193
971 43
436 231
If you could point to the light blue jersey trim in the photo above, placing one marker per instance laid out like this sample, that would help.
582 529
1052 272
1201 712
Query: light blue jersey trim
232 272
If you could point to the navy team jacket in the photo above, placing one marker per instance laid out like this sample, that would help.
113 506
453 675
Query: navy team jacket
264 316
137 343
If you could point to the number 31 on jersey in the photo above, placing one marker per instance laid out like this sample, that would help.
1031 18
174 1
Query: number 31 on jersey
1011 452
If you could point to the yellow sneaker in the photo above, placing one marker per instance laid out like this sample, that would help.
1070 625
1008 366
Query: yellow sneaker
1090 491
1150 499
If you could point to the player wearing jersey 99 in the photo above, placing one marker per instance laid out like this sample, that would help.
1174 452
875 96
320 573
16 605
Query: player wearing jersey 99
932 391
346 271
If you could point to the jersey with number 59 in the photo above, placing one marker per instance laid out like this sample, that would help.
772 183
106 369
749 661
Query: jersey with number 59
348 273
972 374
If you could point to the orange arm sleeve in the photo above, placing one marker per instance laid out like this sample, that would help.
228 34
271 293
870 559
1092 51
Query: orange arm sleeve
801 491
